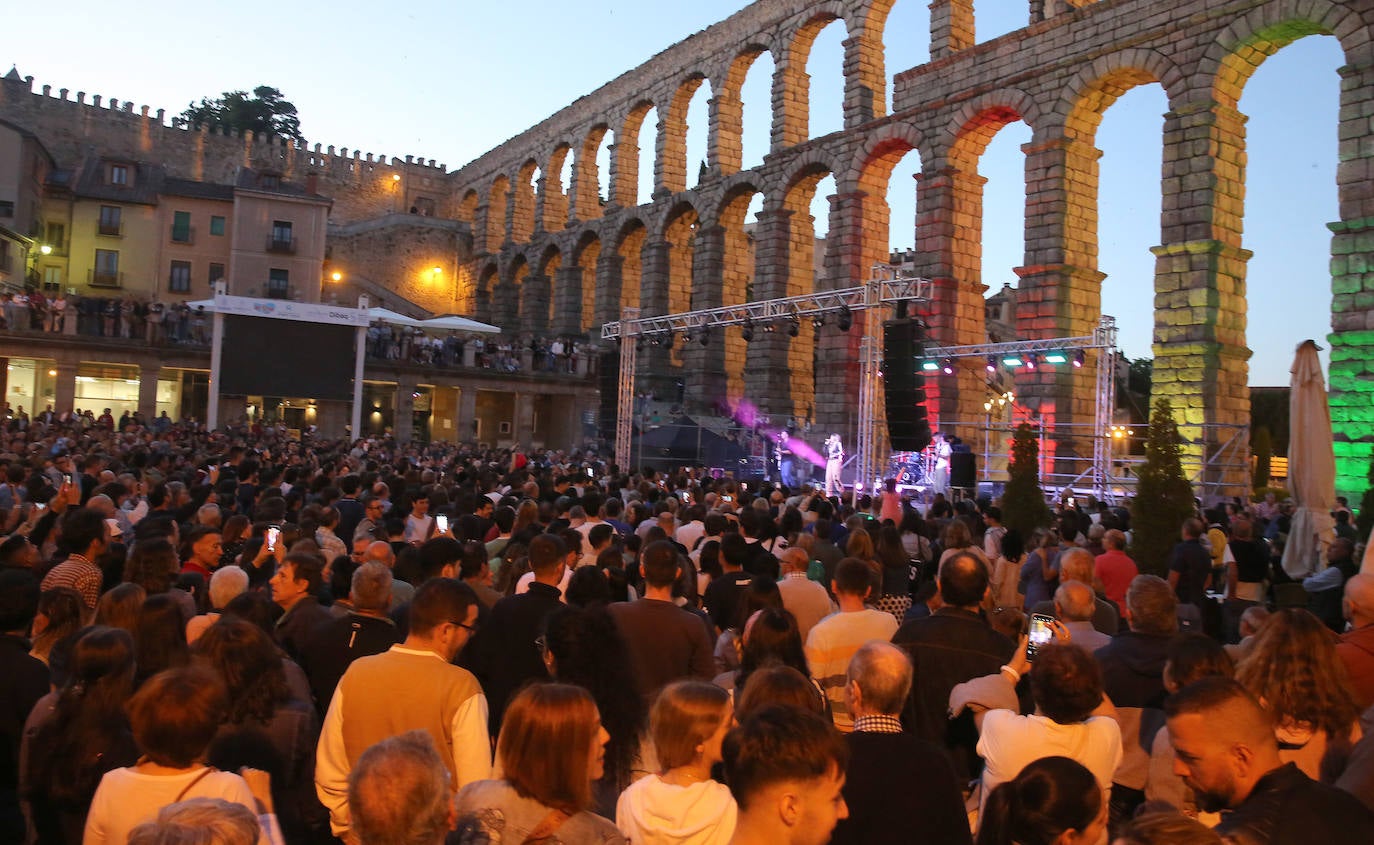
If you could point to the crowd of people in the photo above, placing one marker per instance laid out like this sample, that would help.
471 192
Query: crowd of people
504 353
181 323
125 317
239 638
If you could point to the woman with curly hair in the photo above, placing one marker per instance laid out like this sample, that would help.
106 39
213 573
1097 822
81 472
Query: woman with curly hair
1294 672
86 736
582 646
264 728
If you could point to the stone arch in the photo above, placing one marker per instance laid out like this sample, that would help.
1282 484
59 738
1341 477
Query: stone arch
898 136
586 188
554 192
585 259
727 126
1096 87
625 289
625 160
1247 42
487 281
975 123
791 87
736 248
523 199
467 207
505 300
498 203
672 151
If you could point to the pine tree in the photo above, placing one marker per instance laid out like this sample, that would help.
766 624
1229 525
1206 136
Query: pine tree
1023 502
1164 498
1263 449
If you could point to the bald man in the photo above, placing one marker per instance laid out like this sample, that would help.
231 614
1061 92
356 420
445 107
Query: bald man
1226 752
377 551
895 783
1076 564
1356 646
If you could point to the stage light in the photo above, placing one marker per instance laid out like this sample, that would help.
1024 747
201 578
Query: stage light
1031 360
687 336
1056 357
846 319
992 363
705 335
948 366
746 331
818 322
1078 358
793 326
769 328
1012 361
930 366
987 406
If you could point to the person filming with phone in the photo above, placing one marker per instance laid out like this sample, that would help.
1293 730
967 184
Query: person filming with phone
1072 718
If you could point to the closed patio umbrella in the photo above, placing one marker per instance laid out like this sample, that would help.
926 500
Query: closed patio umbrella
1311 466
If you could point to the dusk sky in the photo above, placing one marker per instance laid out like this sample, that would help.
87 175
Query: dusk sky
451 80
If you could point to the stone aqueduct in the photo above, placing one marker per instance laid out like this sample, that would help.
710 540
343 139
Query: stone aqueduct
554 256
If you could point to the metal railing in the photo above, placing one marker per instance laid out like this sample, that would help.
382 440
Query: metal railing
283 246
104 279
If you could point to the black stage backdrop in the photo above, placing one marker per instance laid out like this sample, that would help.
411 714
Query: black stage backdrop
267 357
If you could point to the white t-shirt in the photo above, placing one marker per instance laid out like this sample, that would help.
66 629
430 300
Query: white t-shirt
127 798
1010 742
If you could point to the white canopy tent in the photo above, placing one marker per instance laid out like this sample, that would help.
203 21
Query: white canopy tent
459 324
386 315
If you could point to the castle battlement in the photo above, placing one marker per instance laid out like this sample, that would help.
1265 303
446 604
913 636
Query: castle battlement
75 124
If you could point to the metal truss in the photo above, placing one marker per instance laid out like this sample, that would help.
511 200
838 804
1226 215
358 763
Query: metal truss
885 286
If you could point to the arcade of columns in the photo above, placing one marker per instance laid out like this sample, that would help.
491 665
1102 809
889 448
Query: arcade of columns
554 257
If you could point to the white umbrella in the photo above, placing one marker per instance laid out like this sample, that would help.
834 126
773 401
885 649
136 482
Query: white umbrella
459 324
386 315
1311 466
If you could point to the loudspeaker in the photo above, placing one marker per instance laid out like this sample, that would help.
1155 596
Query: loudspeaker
963 470
608 384
908 427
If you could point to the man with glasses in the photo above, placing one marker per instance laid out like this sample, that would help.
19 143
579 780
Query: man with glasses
372 525
504 656
412 686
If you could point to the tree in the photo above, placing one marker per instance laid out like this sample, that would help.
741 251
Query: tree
1023 502
1163 498
264 112
1262 447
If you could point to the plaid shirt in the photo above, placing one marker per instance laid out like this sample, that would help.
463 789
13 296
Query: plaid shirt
879 724
79 574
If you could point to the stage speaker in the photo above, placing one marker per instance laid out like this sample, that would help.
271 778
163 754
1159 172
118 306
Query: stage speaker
963 470
908 427
608 385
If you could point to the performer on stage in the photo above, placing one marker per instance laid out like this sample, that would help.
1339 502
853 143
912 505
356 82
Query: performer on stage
783 458
834 458
940 447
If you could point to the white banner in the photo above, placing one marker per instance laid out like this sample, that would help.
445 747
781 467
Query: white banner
285 309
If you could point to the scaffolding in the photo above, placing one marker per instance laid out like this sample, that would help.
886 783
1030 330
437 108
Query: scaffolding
885 287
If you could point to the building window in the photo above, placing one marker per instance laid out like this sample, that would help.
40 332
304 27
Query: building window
181 227
180 280
119 174
216 273
109 220
56 235
271 181
280 239
52 279
217 225
106 272
5 259
6 208
278 286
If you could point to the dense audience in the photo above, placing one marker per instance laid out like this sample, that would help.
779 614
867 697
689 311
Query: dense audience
244 638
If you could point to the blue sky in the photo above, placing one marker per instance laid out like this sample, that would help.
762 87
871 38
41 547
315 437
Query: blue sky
450 80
